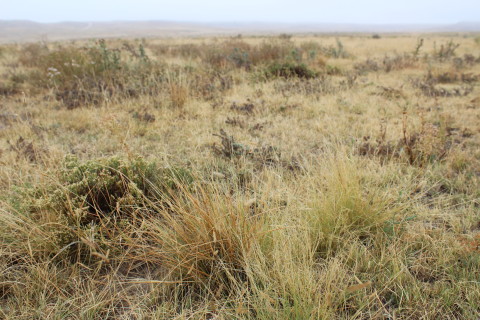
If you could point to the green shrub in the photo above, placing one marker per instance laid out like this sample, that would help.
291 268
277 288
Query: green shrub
240 58
446 51
91 191
337 51
91 207
289 70
94 189
89 75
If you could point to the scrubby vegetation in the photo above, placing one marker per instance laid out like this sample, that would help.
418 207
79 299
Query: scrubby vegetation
241 178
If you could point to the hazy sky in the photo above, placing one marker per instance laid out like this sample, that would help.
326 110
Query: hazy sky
299 11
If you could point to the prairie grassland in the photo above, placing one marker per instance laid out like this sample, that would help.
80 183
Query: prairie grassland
241 178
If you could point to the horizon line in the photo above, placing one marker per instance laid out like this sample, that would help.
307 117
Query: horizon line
248 22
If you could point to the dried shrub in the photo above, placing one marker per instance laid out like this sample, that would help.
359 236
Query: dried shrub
97 74
369 65
314 87
321 85
399 62
431 143
418 47
269 51
236 53
27 149
289 70
236 122
337 51
390 93
187 50
144 116
8 118
450 77
229 148
378 148
246 108
31 54
429 89
468 60
445 51
260 157
88 75
266 52
9 88
232 53
244 123
387 64
210 84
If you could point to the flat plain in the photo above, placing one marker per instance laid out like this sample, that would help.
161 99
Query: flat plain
245 177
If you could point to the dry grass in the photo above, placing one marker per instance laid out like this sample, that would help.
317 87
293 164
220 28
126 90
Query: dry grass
241 178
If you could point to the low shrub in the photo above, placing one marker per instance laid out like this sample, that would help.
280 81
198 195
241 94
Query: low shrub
445 51
88 75
93 190
289 70
430 143
91 207
31 55
387 64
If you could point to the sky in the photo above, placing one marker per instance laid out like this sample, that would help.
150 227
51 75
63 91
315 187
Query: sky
288 11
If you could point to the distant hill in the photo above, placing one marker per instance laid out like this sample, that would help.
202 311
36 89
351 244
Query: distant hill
27 31
24 31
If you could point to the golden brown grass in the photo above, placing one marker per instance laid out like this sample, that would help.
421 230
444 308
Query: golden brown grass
210 179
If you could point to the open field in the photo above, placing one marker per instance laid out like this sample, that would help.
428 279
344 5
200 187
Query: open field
241 178
21 31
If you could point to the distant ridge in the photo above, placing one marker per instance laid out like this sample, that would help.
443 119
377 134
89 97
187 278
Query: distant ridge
28 31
